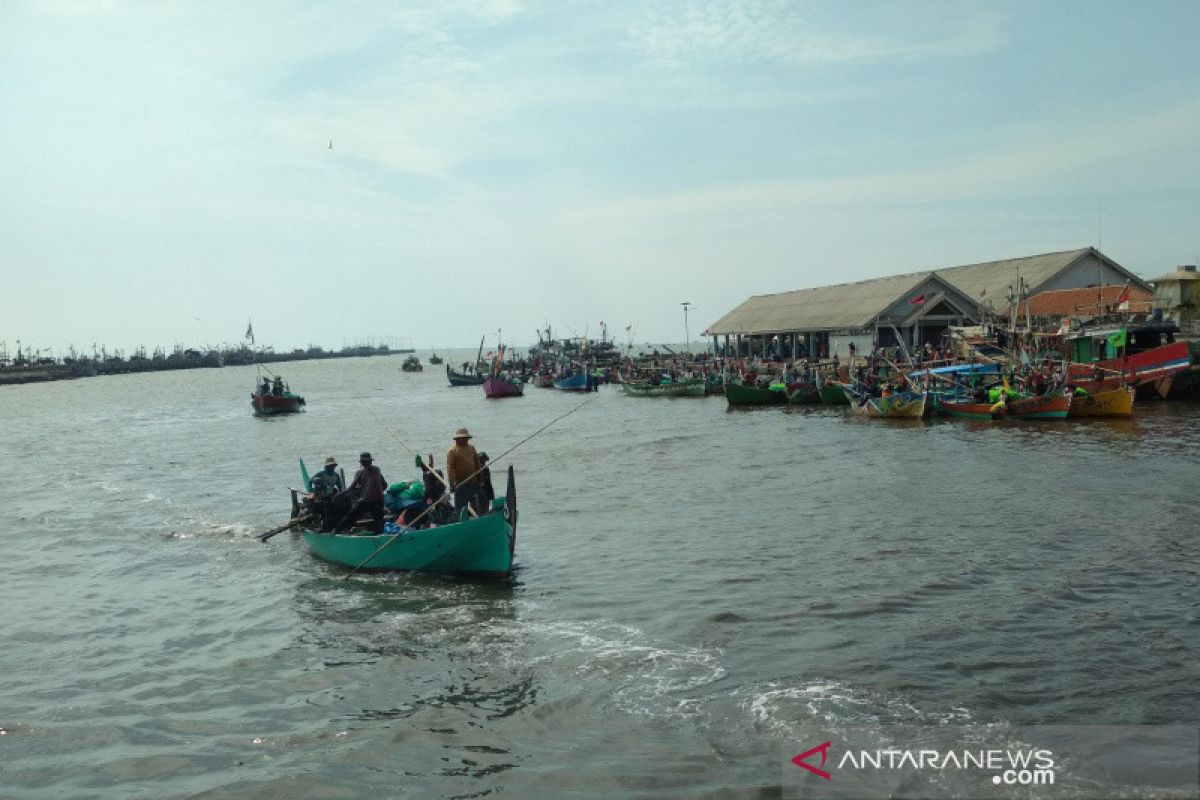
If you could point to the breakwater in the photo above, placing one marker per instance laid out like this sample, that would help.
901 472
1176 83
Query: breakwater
67 369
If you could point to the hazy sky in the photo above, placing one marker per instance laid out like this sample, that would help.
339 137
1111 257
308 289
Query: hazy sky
166 174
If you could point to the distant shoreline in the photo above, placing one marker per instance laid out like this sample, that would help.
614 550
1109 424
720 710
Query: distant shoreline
89 368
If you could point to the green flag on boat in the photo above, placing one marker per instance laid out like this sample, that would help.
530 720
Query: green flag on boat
1118 339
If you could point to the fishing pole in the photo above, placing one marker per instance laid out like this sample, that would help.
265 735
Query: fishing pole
497 460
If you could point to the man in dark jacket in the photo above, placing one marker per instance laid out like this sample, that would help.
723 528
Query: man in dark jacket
371 485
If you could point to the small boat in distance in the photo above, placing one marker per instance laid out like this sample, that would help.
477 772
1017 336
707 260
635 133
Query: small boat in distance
502 386
412 364
275 397
435 359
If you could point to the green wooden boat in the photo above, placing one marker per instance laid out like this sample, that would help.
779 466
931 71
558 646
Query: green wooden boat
832 394
739 395
802 392
480 546
692 388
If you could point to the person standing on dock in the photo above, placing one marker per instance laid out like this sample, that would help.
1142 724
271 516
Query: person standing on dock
462 464
371 484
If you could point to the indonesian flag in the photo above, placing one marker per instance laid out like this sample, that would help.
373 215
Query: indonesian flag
1123 299
918 300
1065 327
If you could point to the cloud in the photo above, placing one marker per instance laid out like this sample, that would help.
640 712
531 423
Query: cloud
776 31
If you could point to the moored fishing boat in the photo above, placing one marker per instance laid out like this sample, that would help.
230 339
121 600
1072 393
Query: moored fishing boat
738 395
579 382
896 405
967 409
412 364
462 378
501 386
483 545
1055 405
435 359
690 388
1109 403
803 392
832 393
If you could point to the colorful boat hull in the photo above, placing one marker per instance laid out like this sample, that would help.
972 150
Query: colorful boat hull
268 404
738 395
1045 406
495 386
1116 403
899 405
968 410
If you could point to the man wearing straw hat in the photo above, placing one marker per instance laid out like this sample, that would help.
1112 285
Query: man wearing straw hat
462 464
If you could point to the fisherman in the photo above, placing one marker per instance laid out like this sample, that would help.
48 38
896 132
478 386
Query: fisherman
277 387
265 389
486 491
435 489
371 484
462 464
327 485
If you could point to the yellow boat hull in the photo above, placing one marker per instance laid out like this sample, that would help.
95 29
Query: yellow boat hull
1112 403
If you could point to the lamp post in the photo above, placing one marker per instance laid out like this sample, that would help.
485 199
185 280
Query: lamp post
687 338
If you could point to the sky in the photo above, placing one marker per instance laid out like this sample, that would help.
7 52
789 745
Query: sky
425 174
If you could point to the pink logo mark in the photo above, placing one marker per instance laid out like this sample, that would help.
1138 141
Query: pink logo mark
823 749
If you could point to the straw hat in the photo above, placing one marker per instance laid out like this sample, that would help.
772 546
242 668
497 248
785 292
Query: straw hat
331 462
462 433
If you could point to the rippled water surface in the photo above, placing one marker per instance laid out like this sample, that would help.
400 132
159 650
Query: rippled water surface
695 588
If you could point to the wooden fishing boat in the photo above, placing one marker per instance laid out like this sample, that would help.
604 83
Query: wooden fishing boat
968 409
692 388
266 404
463 379
1040 406
738 395
544 381
803 392
714 384
435 359
1110 403
497 386
480 546
579 382
412 364
897 405
832 394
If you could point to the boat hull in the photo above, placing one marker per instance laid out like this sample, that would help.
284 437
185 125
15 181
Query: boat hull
900 405
268 404
738 395
499 387
459 379
802 393
832 394
686 389
477 546
1116 403
576 383
1046 406
964 410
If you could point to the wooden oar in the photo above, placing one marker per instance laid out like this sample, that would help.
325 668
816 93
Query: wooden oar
262 537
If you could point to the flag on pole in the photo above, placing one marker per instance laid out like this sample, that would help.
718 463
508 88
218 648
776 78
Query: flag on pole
1123 299
918 300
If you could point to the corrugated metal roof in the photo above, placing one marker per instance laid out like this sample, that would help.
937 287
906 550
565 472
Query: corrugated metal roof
856 305
1180 274
991 279
846 305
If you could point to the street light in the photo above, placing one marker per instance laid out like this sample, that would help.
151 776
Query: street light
687 337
